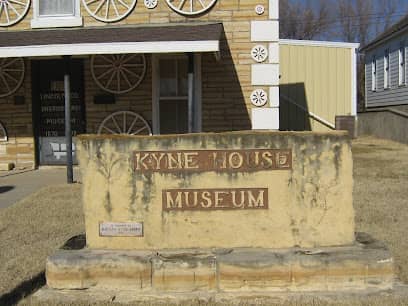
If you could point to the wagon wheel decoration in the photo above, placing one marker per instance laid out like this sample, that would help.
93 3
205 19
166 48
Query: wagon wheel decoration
3 133
12 11
11 75
118 74
190 7
109 10
125 123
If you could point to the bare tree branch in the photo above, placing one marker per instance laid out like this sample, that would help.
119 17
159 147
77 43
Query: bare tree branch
303 21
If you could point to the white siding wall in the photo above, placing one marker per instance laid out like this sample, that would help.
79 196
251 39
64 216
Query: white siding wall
396 94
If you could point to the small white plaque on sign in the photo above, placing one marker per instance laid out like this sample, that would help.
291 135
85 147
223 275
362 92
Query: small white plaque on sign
121 229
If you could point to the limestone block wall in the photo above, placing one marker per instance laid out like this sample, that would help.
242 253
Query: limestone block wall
16 117
138 100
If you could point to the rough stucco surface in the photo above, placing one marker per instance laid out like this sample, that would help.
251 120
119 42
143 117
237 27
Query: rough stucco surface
309 206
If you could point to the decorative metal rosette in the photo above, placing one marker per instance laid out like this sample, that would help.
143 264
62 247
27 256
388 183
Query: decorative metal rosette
150 4
259 53
259 9
259 97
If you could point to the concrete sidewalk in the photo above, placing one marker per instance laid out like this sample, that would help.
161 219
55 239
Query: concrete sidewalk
16 185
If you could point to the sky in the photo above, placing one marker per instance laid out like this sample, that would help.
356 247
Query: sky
403 4
376 20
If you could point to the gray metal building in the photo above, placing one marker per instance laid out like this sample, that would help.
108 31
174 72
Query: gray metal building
385 67
386 85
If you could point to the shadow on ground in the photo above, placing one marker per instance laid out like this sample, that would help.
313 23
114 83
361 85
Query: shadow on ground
75 243
23 290
4 189
28 287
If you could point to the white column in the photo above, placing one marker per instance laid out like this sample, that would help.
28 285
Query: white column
266 74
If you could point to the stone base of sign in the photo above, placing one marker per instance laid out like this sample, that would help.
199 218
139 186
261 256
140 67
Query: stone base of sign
397 296
362 266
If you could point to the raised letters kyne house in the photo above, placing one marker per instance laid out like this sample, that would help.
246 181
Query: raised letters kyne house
135 67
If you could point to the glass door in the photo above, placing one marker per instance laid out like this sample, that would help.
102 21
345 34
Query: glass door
49 109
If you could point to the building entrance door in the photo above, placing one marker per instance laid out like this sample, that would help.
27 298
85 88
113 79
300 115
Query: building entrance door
49 109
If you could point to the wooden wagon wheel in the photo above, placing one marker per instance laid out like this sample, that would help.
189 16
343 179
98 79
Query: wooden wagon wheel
12 11
3 133
190 7
11 75
124 122
118 73
109 10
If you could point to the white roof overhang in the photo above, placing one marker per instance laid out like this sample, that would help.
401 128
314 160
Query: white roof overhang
86 41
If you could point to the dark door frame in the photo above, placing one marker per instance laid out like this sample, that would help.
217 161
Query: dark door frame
35 92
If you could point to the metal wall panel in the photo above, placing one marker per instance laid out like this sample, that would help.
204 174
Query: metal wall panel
319 80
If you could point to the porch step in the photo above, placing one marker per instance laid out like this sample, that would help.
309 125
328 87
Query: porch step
6 166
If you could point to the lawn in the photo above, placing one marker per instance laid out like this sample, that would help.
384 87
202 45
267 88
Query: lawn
381 195
31 230
36 226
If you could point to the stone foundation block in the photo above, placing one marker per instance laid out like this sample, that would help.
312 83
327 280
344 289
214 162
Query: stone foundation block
6 166
380 273
358 267
184 271
308 271
83 269
367 268
256 269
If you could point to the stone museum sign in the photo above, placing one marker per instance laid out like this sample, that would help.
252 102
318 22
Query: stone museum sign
221 213
247 189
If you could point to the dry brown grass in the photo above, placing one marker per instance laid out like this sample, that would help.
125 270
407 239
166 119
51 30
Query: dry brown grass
305 301
381 195
35 227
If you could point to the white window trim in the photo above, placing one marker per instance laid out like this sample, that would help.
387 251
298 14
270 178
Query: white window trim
156 90
56 21
374 74
402 75
387 67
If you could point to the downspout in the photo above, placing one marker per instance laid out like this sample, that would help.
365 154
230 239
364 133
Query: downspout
68 132
191 104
